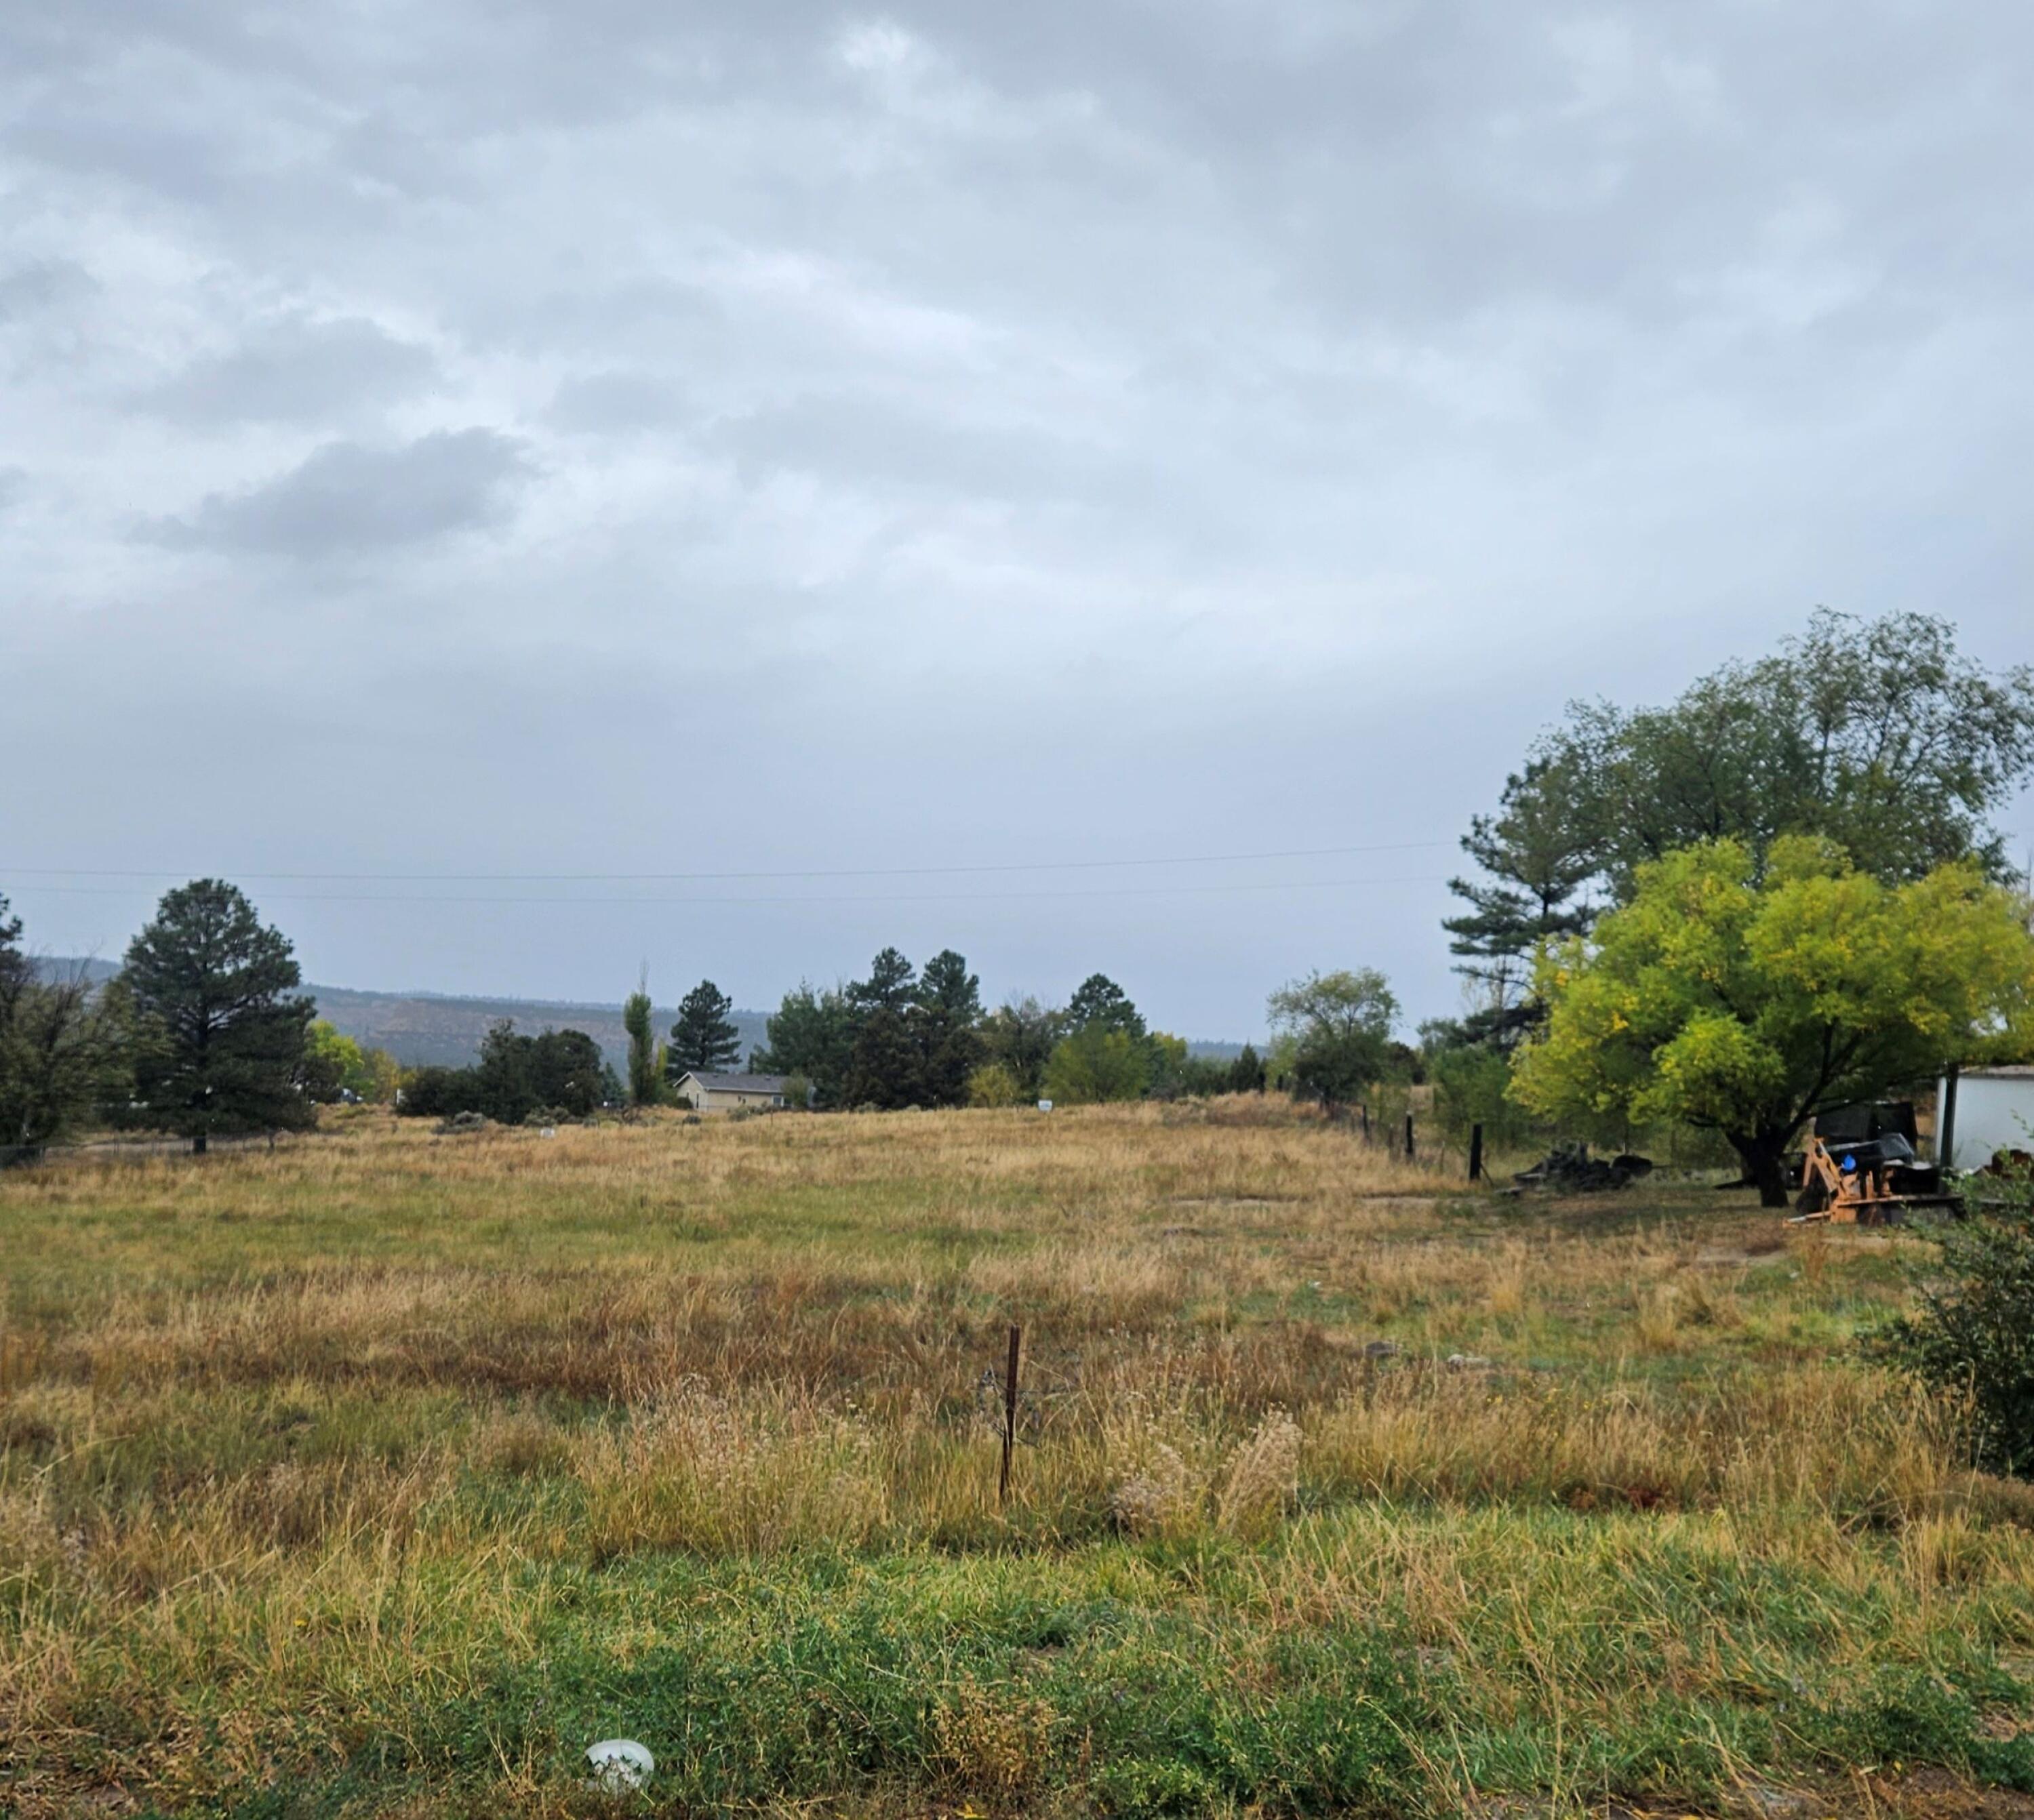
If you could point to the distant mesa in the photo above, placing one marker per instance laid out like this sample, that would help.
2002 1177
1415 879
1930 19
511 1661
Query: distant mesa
422 1028
443 1030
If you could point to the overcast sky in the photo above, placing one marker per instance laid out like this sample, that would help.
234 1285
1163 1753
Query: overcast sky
633 437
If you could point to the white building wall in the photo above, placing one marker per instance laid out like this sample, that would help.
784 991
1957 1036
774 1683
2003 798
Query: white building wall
1994 1112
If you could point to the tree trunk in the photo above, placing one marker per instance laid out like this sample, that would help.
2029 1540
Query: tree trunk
1762 1156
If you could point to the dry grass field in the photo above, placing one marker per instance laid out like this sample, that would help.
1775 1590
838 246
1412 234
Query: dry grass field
382 1473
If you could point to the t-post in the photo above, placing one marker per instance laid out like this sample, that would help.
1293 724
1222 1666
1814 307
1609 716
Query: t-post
1009 1413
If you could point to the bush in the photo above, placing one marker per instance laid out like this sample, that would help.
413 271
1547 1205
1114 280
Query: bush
1096 1063
1469 1085
433 1093
1974 1332
1176 1074
994 1083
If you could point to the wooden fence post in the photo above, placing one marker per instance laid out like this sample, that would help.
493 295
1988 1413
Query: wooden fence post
1946 1120
1009 1413
1476 1153
1409 1137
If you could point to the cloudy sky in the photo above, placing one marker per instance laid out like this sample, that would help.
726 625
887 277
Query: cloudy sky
532 489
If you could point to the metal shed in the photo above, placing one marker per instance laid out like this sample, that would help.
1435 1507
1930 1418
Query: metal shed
1994 1110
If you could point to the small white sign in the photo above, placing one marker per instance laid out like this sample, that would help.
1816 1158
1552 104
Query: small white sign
1044 1105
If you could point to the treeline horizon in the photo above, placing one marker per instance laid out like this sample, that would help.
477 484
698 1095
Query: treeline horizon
1861 757
204 1031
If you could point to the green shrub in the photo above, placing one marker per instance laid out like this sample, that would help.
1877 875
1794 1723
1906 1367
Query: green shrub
1974 1333
1470 1084
1096 1063
995 1083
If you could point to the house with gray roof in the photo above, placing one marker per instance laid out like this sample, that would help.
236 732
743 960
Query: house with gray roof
729 1092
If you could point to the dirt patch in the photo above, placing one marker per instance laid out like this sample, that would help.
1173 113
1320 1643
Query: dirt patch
1226 1200
1925 1794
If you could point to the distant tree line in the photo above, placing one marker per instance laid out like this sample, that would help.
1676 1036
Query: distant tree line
517 1077
202 1033
905 1037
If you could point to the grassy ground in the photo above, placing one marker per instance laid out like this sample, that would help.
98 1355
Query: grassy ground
384 1473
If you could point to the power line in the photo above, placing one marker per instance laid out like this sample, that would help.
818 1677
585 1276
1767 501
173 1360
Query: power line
814 898
700 877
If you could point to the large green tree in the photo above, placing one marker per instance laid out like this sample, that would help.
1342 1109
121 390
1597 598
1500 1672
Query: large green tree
567 1072
1020 1034
811 1034
887 1067
218 1025
1534 870
1098 1001
58 1048
886 1061
947 986
1339 1025
1744 997
1877 735
891 984
944 1023
704 1040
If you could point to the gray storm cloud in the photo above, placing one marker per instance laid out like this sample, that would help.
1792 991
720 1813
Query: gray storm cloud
790 437
345 499
297 370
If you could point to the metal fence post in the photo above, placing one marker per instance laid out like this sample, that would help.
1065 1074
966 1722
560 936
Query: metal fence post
1009 1413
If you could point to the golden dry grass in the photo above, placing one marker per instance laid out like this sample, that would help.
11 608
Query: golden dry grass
302 1452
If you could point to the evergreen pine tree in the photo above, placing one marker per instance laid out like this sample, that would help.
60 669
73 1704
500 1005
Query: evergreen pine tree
1100 1002
704 1039
221 1028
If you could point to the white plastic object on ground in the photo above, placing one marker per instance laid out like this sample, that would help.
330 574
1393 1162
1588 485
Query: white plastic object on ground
620 1764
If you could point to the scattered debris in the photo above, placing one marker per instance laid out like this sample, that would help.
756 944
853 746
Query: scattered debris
1570 1169
619 1765
1466 1362
1776 1803
1381 1349
463 1122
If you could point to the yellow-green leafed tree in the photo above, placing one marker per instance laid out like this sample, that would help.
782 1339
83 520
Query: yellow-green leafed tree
1746 1002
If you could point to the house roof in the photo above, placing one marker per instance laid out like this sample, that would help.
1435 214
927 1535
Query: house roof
736 1083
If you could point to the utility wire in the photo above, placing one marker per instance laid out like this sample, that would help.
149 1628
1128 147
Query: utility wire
692 877
815 898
